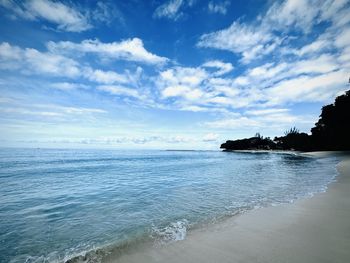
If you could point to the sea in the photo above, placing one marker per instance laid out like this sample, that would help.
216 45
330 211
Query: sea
58 205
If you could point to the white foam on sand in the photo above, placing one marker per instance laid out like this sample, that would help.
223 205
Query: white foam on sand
173 232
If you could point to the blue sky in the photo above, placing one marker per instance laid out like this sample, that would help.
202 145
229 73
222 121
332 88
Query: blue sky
179 74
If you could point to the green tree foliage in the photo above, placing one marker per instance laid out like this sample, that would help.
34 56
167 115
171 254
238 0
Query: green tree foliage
293 130
331 132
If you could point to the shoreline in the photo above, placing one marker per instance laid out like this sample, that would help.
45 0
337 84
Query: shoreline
313 229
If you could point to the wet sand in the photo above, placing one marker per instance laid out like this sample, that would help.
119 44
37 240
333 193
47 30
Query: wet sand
315 229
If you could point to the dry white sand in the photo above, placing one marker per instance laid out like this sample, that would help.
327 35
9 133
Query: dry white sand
316 229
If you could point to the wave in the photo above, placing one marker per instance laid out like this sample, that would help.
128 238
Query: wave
156 236
171 233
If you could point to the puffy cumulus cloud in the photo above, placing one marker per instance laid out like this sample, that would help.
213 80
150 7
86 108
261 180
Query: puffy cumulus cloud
105 77
222 67
197 89
218 7
182 91
186 76
130 50
190 78
65 17
311 79
30 60
181 82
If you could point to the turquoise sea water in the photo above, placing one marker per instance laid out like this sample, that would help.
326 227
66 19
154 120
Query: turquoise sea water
56 204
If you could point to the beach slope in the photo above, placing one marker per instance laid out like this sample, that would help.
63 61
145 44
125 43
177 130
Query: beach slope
316 229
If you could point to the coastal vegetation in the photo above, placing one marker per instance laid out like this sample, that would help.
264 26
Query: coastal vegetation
331 132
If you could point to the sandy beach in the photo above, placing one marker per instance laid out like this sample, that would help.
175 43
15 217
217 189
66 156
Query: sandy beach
315 229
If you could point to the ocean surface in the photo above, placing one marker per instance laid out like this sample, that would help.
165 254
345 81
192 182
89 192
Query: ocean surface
58 204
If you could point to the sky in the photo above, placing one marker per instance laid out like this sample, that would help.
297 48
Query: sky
176 74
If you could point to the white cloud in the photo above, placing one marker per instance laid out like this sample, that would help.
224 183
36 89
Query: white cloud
183 76
249 41
182 91
24 111
299 13
269 74
241 81
271 121
211 137
170 9
106 12
221 100
345 57
267 71
75 110
69 110
315 47
219 7
233 123
105 77
33 61
68 86
194 108
130 50
222 66
182 82
343 39
50 110
136 139
260 38
119 90
66 18
323 64
266 111
307 88
51 63
305 14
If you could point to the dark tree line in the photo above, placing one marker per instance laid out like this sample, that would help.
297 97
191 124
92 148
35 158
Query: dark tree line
331 132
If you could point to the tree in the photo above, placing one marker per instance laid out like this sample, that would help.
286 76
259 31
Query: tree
332 130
